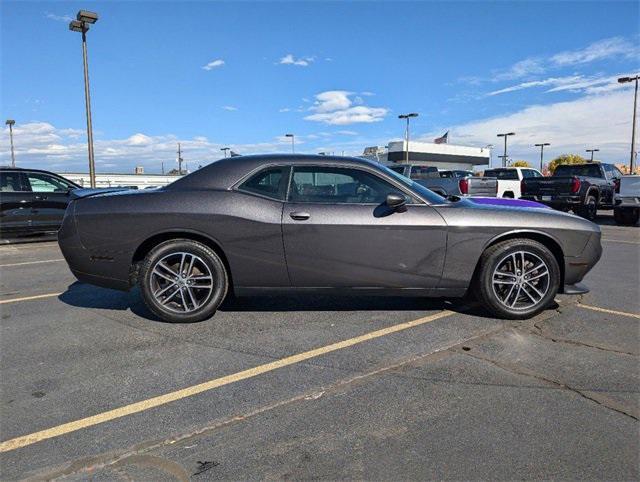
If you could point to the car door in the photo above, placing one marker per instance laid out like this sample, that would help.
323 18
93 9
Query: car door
15 204
607 190
50 196
338 232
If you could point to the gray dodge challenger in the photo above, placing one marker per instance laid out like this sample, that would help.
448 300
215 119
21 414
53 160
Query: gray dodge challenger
253 224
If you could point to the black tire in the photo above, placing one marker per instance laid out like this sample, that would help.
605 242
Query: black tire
497 254
178 311
589 209
626 216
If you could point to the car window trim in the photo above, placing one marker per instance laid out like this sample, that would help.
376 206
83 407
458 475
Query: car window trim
373 172
258 170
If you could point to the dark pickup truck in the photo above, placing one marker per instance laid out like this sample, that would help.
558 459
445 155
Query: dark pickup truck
583 188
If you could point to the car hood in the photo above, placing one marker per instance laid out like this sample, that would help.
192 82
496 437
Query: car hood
506 202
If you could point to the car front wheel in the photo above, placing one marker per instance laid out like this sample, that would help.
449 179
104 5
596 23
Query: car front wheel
183 281
517 279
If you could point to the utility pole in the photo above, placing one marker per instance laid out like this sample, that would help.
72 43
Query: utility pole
179 160
162 167
10 123
632 160
541 146
504 157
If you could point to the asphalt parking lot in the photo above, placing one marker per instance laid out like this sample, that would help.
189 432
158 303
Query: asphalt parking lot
93 387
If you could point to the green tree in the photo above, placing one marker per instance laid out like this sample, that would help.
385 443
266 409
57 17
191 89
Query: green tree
520 164
566 159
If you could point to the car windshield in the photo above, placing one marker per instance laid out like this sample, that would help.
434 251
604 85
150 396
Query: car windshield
584 170
430 196
505 174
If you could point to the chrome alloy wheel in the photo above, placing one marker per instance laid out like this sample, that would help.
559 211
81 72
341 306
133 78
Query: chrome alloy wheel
181 282
521 280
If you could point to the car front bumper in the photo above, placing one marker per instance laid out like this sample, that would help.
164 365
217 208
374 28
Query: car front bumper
576 267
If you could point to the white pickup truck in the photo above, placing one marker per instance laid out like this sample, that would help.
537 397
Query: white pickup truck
509 179
626 206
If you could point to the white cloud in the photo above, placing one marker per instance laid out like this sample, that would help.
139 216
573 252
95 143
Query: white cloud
42 145
289 59
284 109
336 107
347 133
59 18
601 120
614 47
230 108
602 49
213 64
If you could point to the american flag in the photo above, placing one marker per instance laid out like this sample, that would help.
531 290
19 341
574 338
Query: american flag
442 140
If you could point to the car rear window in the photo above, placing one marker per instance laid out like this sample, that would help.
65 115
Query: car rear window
583 170
505 174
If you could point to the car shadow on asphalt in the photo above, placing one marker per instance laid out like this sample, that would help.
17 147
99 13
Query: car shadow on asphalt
88 296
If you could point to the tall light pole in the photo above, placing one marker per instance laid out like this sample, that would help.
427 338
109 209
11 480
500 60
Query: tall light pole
293 142
225 149
592 151
541 146
490 147
10 123
632 160
504 157
406 133
81 24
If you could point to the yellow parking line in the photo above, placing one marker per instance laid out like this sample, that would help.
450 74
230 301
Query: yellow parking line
31 262
143 405
604 310
29 298
24 247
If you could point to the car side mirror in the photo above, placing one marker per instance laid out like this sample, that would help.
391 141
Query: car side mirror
396 201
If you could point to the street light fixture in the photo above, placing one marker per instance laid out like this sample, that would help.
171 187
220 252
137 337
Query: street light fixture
225 149
83 19
592 151
293 142
541 146
624 80
406 134
504 157
11 123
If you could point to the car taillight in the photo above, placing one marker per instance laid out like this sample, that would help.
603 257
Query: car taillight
464 186
575 185
616 184
522 187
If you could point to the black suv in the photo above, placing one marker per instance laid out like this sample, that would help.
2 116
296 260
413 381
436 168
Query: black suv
32 201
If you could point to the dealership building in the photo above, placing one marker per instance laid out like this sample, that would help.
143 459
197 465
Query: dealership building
442 156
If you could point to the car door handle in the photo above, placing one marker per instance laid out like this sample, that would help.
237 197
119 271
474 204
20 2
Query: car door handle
299 216
41 198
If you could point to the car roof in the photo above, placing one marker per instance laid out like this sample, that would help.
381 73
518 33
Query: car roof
224 173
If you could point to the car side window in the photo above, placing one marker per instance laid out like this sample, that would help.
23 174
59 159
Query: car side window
270 182
607 171
45 183
617 172
339 185
11 182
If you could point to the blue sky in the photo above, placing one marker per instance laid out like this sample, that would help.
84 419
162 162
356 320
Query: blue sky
337 74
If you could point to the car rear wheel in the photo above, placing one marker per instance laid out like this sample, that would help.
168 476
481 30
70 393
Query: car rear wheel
589 209
517 279
183 281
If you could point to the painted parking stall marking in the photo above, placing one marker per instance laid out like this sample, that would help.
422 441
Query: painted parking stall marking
144 405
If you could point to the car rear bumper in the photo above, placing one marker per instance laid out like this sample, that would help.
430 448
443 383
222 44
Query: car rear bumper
627 202
554 201
82 263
